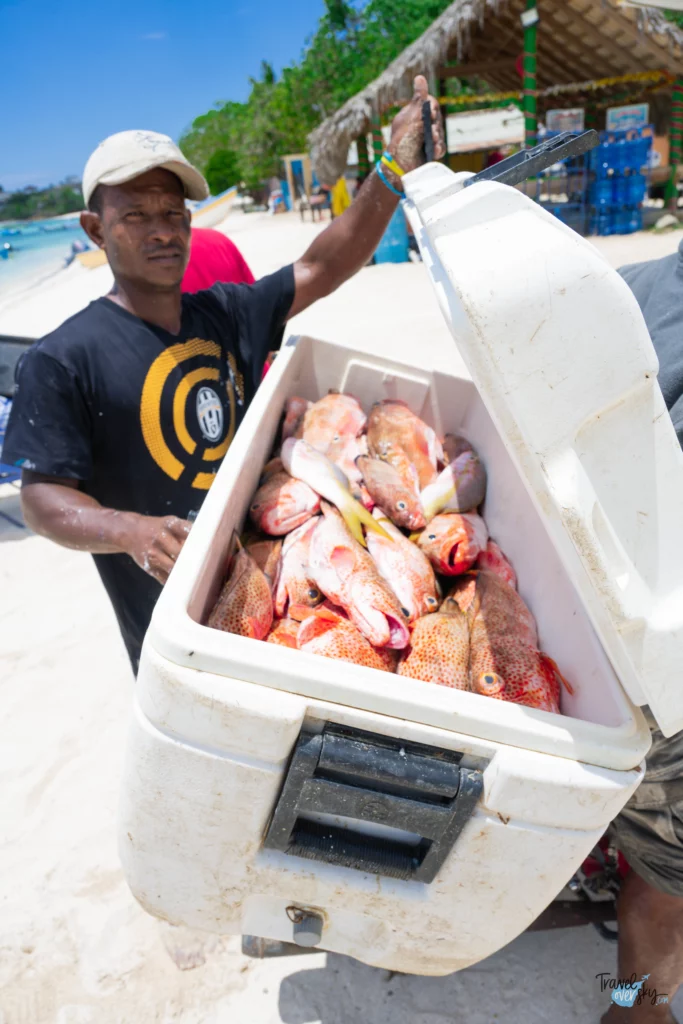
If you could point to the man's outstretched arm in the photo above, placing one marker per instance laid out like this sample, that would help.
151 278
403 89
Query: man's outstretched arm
350 240
55 508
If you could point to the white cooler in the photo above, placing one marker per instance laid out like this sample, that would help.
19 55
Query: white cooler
418 828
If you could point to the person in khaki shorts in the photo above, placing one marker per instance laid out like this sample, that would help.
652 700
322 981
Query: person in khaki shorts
649 831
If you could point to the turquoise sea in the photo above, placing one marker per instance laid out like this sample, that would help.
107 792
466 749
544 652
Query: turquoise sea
36 248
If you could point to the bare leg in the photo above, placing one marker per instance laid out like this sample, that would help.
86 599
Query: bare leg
650 942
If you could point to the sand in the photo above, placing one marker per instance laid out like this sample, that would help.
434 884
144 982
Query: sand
75 948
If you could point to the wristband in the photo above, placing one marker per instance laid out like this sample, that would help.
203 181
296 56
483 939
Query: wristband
385 181
388 161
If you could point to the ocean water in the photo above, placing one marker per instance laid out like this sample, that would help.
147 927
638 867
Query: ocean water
38 247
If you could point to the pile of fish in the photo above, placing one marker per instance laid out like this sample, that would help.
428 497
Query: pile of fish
369 549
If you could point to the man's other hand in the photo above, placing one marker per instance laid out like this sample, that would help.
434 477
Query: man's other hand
407 130
154 543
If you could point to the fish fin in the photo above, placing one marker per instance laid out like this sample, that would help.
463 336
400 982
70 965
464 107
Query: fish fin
299 612
356 516
342 559
553 664
415 536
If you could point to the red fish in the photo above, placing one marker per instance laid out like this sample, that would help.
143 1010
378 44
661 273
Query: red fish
245 604
397 435
461 486
347 575
504 607
405 568
295 585
266 554
282 503
439 650
493 560
505 662
293 423
334 636
332 418
452 542
306 463
398 498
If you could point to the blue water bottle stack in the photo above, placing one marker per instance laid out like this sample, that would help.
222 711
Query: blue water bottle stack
618 185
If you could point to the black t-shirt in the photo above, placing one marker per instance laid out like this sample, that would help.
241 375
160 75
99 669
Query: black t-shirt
658 287
142 417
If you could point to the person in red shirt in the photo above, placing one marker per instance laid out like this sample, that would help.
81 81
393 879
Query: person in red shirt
213 259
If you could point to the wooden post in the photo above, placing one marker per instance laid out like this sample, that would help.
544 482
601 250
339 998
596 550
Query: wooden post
529 84
377 140
363 158
675 143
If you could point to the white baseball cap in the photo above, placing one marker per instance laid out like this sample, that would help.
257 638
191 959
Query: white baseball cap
127 155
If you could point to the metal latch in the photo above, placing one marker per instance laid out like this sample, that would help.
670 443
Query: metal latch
350 774
528 162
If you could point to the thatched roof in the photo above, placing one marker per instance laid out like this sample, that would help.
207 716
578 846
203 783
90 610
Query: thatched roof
577 40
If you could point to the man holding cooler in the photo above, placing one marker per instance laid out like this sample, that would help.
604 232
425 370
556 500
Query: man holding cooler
123 414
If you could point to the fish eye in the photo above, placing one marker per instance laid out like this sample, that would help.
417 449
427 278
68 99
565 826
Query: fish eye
489 678
432 536
406 612
402 505
314 593
255 506
431 601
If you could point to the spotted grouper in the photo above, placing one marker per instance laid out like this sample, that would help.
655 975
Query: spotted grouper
331 635
398 436
395 495
245 604
439 650
348 576
266 554
505 661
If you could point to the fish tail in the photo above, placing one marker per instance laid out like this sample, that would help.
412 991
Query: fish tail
567 685
356 516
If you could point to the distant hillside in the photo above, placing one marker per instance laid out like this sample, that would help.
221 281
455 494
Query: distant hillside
36 203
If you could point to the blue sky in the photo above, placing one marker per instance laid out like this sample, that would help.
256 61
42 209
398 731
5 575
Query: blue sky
74 72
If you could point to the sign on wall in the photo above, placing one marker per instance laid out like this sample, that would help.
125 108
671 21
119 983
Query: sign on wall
571 120
624 119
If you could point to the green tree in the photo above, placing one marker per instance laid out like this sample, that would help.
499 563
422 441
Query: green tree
352 44
222 170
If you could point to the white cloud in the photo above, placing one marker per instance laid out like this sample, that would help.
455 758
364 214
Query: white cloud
155 35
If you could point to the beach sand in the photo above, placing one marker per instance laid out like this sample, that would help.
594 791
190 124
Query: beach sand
75 948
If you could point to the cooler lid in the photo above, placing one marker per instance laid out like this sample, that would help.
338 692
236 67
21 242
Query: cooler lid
559 351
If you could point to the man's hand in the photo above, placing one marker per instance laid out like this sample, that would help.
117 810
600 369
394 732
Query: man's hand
154 543
407 130
55 507
349 241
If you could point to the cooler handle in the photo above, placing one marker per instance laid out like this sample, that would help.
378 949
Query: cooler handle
363 777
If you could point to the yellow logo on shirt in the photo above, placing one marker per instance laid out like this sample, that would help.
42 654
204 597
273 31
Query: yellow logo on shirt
208 408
